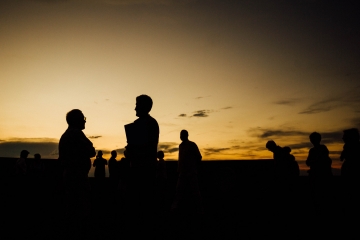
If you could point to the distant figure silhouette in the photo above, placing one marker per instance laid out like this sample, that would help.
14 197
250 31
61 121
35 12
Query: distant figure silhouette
279 158
75 151
350 154
187 187
293 169
37 167
318 159
124 173
21 166
161 167
113 166
142 140
99 164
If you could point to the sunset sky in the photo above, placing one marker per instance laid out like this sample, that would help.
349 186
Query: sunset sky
235 74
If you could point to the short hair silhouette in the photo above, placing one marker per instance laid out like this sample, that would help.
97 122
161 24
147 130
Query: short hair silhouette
160 154
113 153
74 116
24 153
37 156
99 154
287 149
145 102
351 135
315 137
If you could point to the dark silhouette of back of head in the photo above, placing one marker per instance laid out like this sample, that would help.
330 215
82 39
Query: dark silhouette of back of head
24 154
37 156
143 105
75 118
99 155
315 138
113 154
351 135
160 154
184 135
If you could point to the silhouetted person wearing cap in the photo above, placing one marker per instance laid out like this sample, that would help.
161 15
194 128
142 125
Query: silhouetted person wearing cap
278 156
142 138
187 188
75 151
99 164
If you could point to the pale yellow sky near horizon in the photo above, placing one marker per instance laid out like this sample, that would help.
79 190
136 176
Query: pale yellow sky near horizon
233 77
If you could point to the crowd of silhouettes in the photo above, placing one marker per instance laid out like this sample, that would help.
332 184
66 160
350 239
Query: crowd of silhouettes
141 173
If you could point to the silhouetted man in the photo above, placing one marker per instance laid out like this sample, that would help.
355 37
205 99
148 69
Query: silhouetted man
142 138
21 166
113 166
99 164
189 159
318 159
75 151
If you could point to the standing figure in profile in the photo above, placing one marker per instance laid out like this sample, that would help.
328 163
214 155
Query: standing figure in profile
75 151
189 158
142 138
21 168
113 166
318 159
350 176
99 164
350 154
320 173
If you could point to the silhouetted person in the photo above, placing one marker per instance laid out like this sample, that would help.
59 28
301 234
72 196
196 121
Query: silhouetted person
350 178
279 158
293 167
142 138
99 164
124 173
318 159
37 167
350 154
187 188
161 180
21 166
113 166
75 151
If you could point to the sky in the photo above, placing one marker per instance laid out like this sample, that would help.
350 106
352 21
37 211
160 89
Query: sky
235 74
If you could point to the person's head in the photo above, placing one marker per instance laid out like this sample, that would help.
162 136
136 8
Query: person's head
143 105
75 118
315 138
24 153
184 135
287 150
37 156
160 154
113 154
99 154
351 135
271 145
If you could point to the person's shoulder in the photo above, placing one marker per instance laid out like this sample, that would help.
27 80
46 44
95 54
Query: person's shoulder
152 120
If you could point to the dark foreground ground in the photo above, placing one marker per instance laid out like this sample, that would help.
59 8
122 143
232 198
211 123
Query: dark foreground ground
238 204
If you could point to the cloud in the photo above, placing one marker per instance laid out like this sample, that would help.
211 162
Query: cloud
48 148
267 133
182 115
225 108
94 137
201 113
168 147
289 101
347 99
209 151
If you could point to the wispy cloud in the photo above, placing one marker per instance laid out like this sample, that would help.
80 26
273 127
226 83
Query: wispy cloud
94 137
349 99
288 101
214 150
182 115
168 147
201 113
